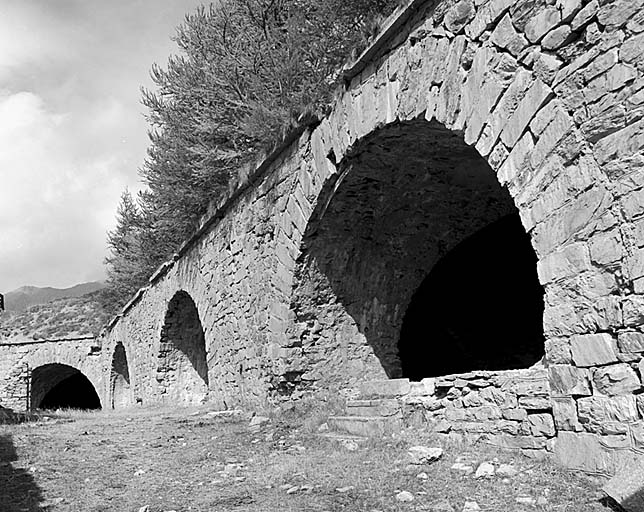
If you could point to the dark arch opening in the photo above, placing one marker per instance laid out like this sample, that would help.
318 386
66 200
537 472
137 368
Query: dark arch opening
480 307
120 378
407 197
59 386
182 372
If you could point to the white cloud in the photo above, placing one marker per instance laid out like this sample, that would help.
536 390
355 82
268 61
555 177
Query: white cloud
53 203
71 131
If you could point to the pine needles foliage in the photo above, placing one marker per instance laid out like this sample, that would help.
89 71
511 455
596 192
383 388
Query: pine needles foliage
245 72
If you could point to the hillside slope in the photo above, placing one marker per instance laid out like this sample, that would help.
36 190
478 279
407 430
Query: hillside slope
26 296
61 318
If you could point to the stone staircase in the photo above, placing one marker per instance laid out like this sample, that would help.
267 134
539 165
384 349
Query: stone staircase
376 412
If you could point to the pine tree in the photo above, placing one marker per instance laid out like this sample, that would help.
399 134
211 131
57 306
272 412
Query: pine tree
247 70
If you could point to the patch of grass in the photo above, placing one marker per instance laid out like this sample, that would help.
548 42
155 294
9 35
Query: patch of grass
192 460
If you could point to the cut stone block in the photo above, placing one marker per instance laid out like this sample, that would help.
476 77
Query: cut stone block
618 379
593 349
372 426
566 380
627 487
390 388
380 407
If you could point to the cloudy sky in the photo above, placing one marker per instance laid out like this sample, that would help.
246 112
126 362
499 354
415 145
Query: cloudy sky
72 132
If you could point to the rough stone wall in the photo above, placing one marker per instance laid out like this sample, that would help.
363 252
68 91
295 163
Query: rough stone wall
509 409
232 275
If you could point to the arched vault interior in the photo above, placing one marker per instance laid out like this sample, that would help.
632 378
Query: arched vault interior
59 386
416 254
120 378
182 370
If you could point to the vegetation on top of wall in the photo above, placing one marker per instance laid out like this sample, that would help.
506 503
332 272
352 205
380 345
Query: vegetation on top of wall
246 72
62 318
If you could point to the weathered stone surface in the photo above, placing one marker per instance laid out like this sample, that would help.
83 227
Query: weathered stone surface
535 403
593 349
633 308
631 341
534 98
585 15
541 425
606 248
632 51
424 454
556 38
568 8
618 379
627 487
505 36
459 15
567 262
617 13
596 411
564 411
514 414
385 388
503 111
581 451
566 380
542 23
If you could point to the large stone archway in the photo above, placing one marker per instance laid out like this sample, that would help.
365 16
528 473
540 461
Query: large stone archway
399 204
182 371
519 84
403 200
120 387
59 386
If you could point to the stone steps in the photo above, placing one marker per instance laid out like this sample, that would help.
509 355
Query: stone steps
376 412
378 407
366 426
343 437
388 388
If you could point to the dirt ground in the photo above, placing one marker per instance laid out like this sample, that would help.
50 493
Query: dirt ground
197 460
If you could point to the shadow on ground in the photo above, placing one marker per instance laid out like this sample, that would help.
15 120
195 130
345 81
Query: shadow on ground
18 489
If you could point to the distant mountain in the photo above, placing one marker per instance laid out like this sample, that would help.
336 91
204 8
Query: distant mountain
68 317
26 296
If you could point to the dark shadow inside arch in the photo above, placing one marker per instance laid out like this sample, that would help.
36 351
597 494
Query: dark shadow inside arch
182 372
415 249
480 307
59 386
120 378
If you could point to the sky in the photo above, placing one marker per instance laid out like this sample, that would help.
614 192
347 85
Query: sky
72 128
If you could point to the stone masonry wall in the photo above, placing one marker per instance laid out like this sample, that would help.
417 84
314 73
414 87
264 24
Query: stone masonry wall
509 409
232 275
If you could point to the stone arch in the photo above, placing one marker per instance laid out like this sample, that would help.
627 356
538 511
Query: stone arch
507 112
408 195
57 385
120 388
182 370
